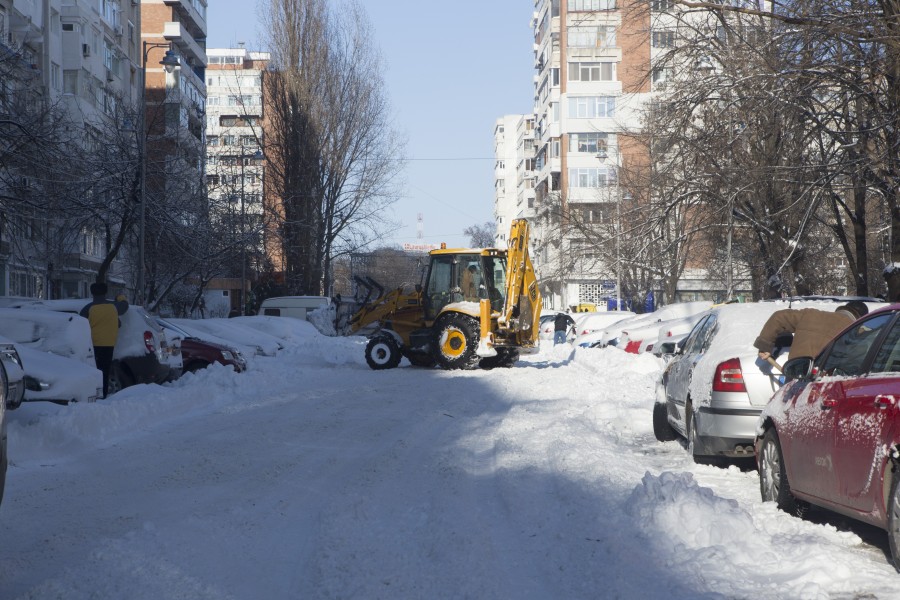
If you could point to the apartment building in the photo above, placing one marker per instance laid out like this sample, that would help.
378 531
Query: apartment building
80 58
513 172
592 79
235 162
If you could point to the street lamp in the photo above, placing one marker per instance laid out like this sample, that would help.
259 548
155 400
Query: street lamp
602 155
169 62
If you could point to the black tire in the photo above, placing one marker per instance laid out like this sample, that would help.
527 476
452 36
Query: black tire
456 339
505 359
773 480
119 379
662 429
893 510
383 352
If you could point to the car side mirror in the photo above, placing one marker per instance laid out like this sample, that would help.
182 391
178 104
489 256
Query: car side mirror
800 368
679 347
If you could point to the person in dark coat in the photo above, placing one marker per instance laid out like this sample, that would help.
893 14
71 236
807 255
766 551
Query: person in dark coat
812 328
561 324
103 316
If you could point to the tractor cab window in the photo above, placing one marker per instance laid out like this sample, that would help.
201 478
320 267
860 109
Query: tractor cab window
471 278
437 291
494 286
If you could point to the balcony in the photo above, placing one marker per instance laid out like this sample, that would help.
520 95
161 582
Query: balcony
186 8
181 37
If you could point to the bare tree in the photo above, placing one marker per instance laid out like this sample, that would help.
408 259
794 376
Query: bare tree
481 236
332 156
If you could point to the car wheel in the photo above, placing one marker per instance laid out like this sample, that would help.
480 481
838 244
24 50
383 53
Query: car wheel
457 340
773 481
893 509
383 352
662 429
119 379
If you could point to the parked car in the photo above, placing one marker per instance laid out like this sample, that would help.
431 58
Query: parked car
14 374
671 333
53 378
3 456
142 353
587 323
546 324
297 307
831 436
197 353
231 332
642 338
713 391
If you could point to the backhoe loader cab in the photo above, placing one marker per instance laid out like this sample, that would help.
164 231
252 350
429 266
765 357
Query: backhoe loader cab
476 307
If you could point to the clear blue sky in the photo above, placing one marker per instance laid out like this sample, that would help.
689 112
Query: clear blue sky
452 68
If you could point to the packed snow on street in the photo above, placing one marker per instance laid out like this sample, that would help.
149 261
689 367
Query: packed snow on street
312 476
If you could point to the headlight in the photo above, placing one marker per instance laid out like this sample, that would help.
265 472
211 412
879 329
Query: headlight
14 356
227 355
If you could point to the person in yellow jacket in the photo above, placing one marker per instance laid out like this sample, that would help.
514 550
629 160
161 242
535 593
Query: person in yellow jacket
103 316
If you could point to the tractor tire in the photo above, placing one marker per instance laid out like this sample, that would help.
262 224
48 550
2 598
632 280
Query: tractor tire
383 352
506 358
456 341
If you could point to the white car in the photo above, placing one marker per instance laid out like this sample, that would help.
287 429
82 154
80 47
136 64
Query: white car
671 311
642 339
53 378
143 354
672 332
588 323
714 389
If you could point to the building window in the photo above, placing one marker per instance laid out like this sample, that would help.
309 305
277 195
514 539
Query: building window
591 177
592 107
593 71
663 39
591 5
590 142
661 5
592 37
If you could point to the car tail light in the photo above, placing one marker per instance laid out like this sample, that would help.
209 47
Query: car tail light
729 377
633 346
148 341
669 333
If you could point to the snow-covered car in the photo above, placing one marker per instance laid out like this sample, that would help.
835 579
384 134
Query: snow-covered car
831 435
611 335
53 378
233 333
587 324
642 338
546 324
142 353
672 332
14 374
197 353
713 390
63 334
3 456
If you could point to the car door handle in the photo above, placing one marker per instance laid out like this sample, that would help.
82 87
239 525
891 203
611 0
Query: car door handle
884 401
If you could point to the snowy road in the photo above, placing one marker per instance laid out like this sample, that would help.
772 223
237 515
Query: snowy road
311 476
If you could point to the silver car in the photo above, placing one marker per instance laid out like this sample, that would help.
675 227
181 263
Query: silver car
713 390
3 459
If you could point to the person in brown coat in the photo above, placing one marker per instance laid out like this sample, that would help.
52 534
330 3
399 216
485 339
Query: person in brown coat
812 328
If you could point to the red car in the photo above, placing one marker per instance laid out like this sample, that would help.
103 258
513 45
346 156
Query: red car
831 437
199 354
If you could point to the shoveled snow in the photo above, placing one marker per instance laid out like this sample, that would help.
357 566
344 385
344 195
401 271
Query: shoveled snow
312 476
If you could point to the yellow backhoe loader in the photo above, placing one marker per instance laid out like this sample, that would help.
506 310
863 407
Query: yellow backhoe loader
477 307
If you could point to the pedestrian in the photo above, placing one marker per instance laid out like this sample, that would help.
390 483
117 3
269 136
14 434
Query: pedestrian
561 324
812 328
103 316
